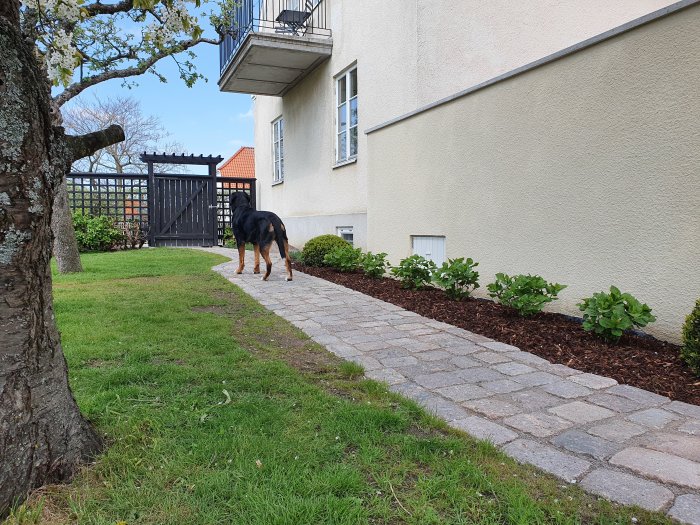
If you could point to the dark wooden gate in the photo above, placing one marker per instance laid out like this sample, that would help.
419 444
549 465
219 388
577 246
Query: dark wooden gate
175 210
184 214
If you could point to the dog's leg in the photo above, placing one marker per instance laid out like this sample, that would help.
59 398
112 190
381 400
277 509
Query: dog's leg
268 262
241 258
256 249
287 261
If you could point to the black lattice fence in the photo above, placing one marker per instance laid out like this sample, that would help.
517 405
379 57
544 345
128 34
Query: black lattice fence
125 198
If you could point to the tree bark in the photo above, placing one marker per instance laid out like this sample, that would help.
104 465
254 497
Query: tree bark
43 437
65 245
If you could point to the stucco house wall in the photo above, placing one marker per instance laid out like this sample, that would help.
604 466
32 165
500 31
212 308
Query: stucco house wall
584 170
408 54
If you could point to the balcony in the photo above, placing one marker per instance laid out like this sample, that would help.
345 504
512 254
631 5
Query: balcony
273 45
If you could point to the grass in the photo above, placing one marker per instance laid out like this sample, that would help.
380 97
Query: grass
218 412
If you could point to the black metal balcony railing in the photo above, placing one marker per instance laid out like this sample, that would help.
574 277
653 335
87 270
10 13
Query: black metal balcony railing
290 17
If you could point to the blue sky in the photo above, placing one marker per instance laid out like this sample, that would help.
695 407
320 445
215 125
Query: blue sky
203 119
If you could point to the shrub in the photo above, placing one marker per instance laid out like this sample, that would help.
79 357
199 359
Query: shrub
229 240
343 258
316 249
525 293
96 234
135 233
374 264
295 256
414 271
690 351
457 277
610 314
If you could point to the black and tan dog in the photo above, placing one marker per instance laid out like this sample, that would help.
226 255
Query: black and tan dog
260 228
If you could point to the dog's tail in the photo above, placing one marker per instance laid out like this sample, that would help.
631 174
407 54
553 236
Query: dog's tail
280 236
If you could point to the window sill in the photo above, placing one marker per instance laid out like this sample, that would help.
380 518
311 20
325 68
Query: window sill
278 183
345 163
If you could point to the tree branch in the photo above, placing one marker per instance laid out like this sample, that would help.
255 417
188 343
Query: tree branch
78 87
98 8
81 146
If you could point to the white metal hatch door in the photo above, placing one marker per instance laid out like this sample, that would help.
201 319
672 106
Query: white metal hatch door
429 246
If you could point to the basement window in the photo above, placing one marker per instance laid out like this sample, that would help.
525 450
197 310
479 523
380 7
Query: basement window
345 233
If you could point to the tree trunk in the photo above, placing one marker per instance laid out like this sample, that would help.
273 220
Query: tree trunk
65 247
43 437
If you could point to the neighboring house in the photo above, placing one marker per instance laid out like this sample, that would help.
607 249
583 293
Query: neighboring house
240 165
547 137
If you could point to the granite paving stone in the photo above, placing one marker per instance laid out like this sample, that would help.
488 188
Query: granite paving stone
583 443
565 389
653 417
686 509
637 394
618 431
684 409
538 424
677 444
691 427
536 378
613 402
502 386
659 465
627 489
492 357
624 443
593 381
492 407
463 392
513 369
482 428
580 412
565 466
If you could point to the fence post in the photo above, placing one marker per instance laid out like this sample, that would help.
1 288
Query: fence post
213 205
151 190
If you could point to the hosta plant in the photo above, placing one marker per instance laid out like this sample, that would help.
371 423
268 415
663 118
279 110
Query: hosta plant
343 258
457 277
374 264
690 351
610 314
414 271
527 294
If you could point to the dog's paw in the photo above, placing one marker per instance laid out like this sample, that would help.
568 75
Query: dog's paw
257 273
288 279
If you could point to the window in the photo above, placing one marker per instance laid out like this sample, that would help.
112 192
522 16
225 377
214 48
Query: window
278 151
430 247
346 123
345 232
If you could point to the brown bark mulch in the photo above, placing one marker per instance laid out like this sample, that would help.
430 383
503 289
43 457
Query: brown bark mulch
637 360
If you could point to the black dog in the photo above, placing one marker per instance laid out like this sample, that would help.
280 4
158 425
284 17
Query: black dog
260 228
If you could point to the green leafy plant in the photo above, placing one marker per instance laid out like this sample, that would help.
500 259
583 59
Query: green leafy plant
525 293
343 258
690 351
457 277
295 256
316 249
374 264
610 314
414 271
96 234
229 240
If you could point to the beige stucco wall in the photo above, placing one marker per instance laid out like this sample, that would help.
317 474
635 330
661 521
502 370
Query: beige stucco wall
585 171
408 53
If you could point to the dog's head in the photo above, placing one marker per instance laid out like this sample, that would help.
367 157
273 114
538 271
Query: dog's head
239 199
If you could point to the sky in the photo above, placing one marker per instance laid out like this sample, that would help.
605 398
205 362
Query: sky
202 119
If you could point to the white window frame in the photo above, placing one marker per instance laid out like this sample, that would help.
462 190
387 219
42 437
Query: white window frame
345 230
278 146
343 106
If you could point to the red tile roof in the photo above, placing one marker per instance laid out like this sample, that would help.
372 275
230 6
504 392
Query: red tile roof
241 164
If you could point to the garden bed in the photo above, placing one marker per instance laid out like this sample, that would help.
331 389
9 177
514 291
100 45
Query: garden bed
637 360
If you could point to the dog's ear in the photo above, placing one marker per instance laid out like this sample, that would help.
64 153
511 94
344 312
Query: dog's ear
239 198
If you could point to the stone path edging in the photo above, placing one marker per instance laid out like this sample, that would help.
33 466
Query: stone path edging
623 443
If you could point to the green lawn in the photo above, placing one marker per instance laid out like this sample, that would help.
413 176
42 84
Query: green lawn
218 412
